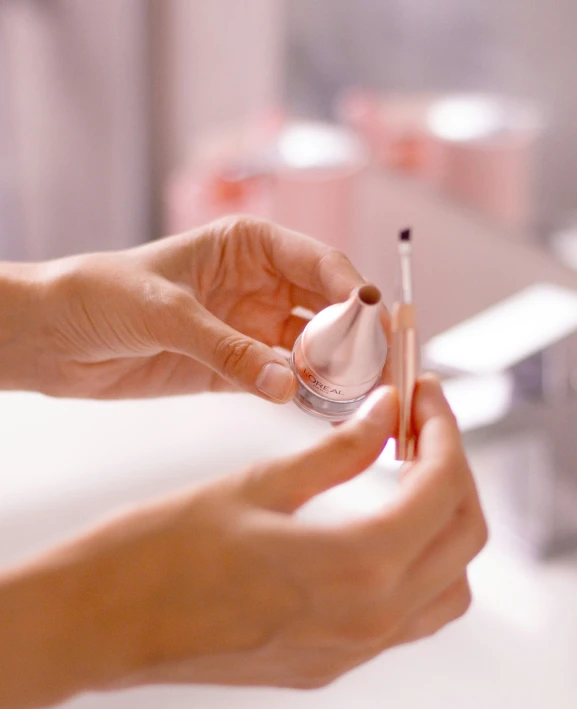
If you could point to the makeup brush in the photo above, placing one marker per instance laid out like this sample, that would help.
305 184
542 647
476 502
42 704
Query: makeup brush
405 358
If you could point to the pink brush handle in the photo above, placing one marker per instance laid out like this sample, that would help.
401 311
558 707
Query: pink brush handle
405 367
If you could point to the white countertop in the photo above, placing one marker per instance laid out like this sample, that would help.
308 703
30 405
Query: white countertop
64 463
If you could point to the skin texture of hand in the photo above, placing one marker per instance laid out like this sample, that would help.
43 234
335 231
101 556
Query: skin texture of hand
225 585
195 312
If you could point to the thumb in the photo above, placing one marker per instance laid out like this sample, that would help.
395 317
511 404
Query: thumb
347 451
191 330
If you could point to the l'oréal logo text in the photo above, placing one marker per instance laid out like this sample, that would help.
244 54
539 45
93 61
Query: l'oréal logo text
319 385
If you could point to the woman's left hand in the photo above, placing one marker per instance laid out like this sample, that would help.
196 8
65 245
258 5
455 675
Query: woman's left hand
196 312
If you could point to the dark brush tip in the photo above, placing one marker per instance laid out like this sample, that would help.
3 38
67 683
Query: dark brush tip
405 235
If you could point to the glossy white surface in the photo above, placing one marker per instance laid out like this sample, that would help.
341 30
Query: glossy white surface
65 463
517 328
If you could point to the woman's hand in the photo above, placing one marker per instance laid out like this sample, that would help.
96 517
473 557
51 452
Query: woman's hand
225 586
195 312
296 604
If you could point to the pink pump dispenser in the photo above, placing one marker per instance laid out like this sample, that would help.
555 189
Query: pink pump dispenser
339 358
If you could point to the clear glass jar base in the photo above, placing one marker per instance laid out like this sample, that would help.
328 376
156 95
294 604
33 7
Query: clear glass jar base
325 409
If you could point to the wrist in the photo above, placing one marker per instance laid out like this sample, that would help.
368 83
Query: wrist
21 299
63 630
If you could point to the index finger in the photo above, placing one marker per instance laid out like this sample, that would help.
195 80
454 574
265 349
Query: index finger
317 269
312 265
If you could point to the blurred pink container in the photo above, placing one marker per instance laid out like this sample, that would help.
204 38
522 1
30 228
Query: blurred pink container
488 145
397 130
193 198
306 177
479 149
318 173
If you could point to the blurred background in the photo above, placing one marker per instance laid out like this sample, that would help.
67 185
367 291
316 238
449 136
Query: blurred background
125 120
104 104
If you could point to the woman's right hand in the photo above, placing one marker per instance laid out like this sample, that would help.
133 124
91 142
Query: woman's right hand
224 585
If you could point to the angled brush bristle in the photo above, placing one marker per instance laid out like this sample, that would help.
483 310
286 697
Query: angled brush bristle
405 235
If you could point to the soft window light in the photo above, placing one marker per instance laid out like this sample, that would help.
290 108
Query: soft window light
507 333
310 145
464 119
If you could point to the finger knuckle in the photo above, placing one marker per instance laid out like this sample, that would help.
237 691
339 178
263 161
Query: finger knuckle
321 681
378 577
233 353
480 534
309 683
427 629
475 531
364 572
319 671
463 601
335 259
244 227
367 632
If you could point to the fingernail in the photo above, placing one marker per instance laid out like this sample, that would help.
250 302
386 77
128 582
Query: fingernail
275 381
374 408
